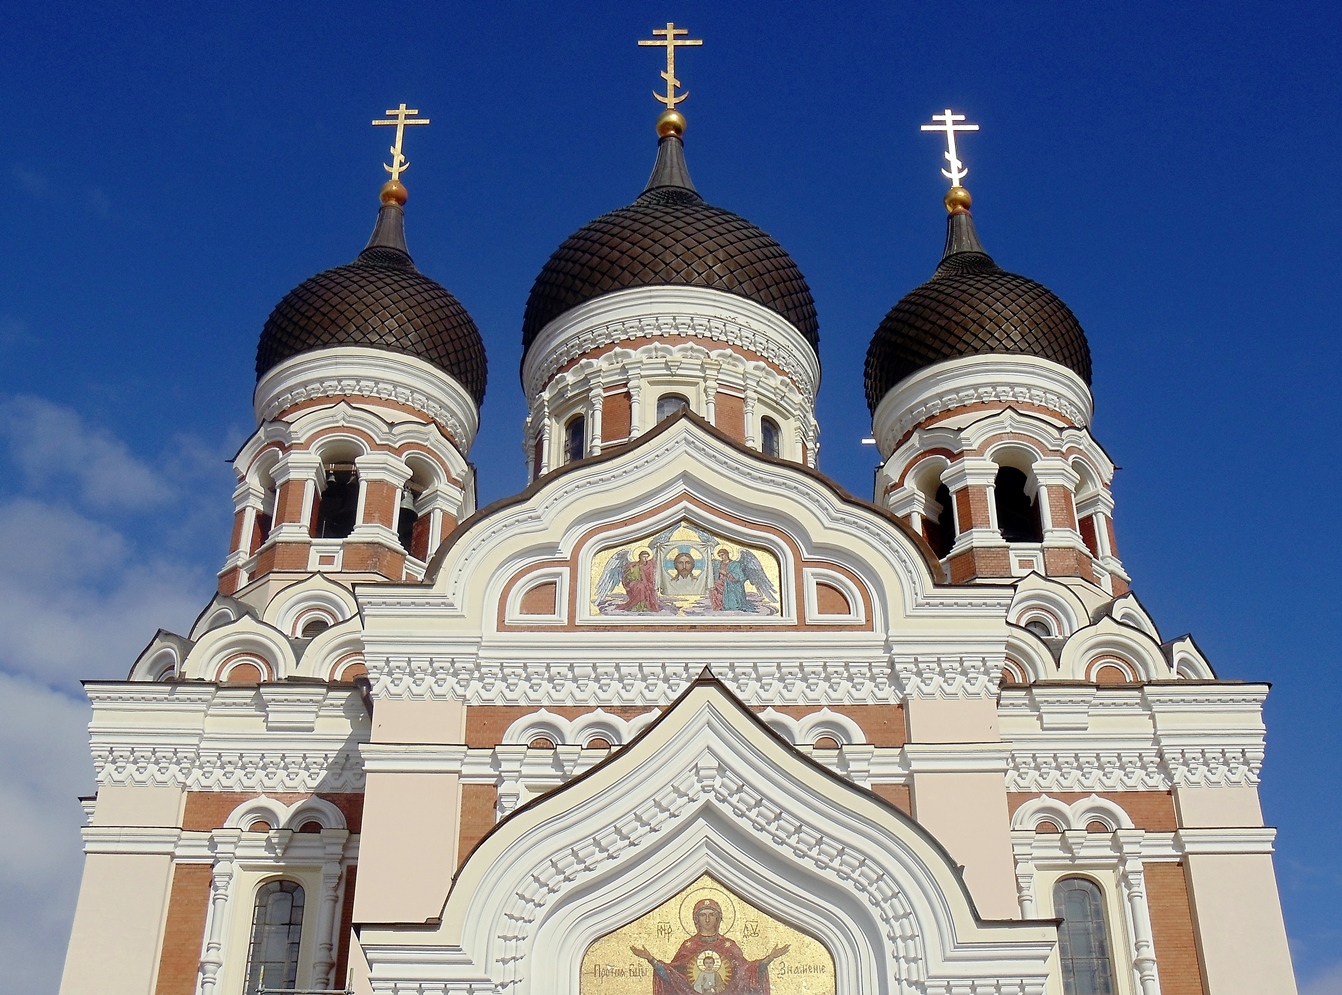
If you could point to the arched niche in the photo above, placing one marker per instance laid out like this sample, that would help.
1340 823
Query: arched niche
707 789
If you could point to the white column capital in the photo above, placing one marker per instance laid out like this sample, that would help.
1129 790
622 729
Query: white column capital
969 472
296 465
384 467
1055 471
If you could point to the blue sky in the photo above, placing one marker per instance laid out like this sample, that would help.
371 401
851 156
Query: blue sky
168 172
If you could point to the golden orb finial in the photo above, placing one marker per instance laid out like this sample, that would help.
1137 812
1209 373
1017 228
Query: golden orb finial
670 123
394 193
957 200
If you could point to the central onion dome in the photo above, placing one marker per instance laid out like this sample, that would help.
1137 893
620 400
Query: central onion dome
379 301
670 236
971 307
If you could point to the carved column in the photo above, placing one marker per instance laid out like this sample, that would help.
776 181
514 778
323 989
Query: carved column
751 397
224 843
544 437
1132 880
635 404
328 907
596 398
1025 869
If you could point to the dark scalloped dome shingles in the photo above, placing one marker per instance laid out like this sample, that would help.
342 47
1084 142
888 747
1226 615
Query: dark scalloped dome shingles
972 307
670 236
379 301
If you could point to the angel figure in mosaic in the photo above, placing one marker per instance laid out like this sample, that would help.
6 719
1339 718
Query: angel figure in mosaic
730 578
637 577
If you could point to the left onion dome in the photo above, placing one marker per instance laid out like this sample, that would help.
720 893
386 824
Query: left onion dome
379 301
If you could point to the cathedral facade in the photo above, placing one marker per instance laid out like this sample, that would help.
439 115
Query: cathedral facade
683 716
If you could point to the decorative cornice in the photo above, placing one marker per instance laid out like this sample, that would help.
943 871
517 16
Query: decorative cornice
619 681
204 769
970 380
658 312
1133 769
1213 766
352 371
1227 841
948 676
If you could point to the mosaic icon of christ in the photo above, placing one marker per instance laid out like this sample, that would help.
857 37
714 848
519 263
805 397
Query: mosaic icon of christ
684 577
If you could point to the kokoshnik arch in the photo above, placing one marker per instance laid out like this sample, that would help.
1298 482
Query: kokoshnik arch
682 717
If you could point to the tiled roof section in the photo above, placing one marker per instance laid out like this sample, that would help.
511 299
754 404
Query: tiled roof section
381 301
670 236
972 307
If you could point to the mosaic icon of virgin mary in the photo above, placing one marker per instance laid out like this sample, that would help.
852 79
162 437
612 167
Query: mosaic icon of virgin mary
709 963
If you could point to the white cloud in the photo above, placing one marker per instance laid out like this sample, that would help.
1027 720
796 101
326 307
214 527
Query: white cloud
79 598
1327 983
59 451
46 768
75 601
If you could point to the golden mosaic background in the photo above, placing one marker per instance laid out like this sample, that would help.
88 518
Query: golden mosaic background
702 546
608 967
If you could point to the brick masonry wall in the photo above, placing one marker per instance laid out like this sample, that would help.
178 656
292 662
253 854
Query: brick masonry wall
897 795
207 810
188 901
346 923
478 810
1149 810
883 725
1177 959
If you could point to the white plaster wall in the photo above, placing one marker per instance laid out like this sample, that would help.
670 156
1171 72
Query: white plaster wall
952 720
408 849
967 813
1238 915
1212 808
118 924
150 805
412 820
401 721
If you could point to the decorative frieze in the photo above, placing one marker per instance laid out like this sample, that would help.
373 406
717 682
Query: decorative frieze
197 769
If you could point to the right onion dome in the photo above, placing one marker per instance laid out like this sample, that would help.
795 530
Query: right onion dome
978 382
971 307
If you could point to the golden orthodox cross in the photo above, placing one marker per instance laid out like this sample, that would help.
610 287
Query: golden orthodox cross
670 42
403 116
950 124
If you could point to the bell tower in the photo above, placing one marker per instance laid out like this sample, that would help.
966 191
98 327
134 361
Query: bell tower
978 383
369 382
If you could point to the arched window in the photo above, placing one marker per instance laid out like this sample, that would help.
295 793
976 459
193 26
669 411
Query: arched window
1083 944
669 404
1040 628
277 927
575 438
769 437
1017 512
339 502
941 533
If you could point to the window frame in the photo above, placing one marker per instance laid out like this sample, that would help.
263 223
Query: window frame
767 422
304 929
1103 899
